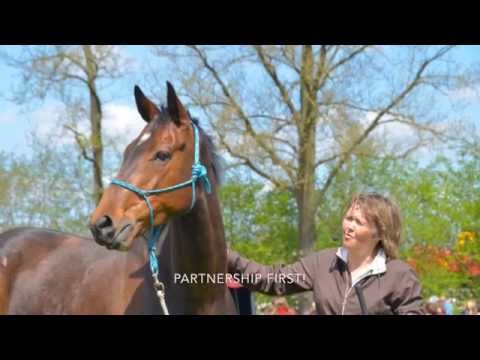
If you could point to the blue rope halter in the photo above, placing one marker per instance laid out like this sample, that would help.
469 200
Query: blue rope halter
199 172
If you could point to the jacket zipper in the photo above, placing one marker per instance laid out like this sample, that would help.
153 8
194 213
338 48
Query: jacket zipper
347 289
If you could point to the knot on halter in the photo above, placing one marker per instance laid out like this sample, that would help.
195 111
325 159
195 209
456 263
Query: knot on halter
199 172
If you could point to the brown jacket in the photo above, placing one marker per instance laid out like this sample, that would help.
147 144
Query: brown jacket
395 291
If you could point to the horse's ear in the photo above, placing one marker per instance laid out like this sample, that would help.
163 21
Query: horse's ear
175 108
147 109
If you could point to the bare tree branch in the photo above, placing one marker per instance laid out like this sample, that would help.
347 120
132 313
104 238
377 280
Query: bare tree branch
397 100
290 61
248 126
234 165
325 160
250 164
273 74
404 154
322 71
348 58
412 123
81 142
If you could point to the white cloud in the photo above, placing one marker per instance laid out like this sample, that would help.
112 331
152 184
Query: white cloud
267 187
47 123
396 132
399 137
122 123
391 132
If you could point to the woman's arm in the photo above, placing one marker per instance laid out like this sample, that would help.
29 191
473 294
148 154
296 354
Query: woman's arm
273 280
407 296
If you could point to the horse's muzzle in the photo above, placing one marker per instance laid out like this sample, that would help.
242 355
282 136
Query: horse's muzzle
103 232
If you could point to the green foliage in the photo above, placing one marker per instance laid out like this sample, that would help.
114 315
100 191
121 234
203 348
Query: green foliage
260 224
48 189
440 281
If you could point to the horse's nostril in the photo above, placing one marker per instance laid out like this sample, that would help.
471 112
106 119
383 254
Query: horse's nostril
103 230
104 222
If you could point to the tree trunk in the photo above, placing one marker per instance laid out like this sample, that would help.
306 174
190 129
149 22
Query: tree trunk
96 124
306 175
307 145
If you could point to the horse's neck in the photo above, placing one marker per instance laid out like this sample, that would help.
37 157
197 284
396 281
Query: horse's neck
198 238
192 243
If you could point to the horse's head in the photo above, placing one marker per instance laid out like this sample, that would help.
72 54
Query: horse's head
161 157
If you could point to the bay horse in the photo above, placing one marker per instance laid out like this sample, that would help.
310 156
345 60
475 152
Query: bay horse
50 272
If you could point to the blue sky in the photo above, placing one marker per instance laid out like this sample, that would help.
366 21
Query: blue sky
15 124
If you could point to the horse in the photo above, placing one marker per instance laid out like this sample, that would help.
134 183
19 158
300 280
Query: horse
145 242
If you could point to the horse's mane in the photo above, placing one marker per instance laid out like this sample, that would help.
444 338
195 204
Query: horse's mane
217 162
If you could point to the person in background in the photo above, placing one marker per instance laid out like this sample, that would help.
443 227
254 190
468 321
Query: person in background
447 305
281 307
470 308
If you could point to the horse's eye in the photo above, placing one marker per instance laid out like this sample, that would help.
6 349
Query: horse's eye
162 156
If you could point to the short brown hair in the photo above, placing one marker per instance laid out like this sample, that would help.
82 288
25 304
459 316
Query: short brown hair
385 215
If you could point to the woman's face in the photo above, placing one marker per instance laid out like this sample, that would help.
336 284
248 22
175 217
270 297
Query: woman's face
358 233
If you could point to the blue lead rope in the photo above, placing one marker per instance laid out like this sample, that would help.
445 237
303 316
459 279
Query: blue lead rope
199 172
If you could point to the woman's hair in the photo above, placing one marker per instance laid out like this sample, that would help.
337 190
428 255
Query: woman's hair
471 306
385 215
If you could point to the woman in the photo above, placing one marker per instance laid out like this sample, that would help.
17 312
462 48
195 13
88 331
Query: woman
363 276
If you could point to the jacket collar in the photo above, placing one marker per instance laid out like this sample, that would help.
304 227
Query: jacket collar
377 266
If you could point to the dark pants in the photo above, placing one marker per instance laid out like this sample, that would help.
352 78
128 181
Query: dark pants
244 300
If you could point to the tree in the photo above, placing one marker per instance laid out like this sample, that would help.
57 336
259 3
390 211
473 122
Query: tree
296 115
45 189
72 74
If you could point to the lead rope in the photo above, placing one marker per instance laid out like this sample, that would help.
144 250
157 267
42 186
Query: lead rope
160 290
